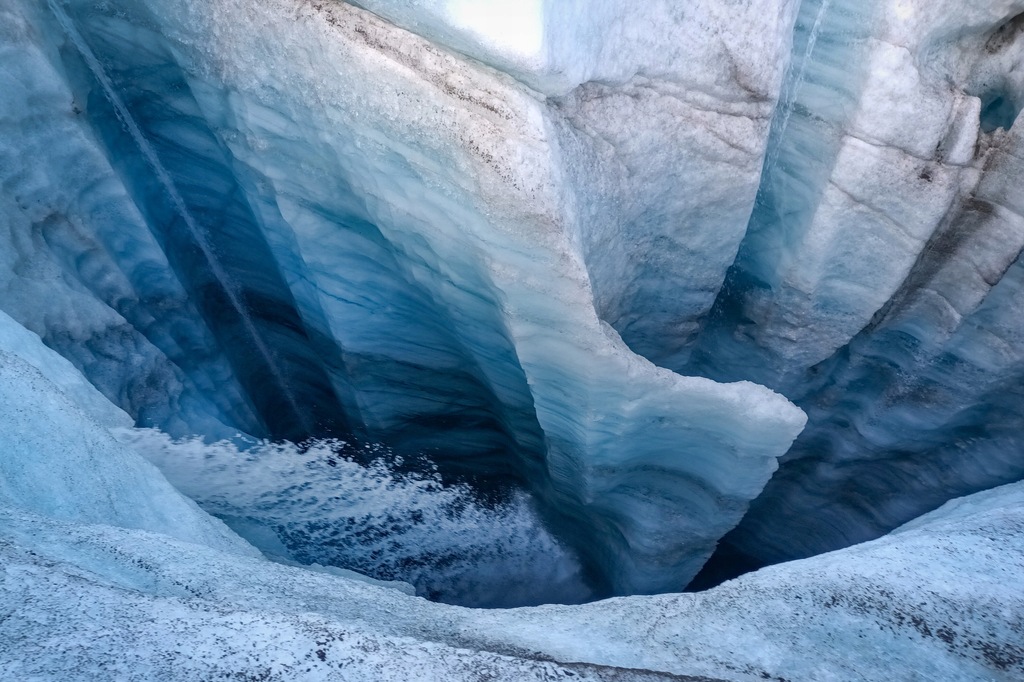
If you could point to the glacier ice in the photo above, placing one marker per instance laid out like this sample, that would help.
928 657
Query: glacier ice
80 265
662 126
873 154
403 260
933 404
876 285
141 584
544 292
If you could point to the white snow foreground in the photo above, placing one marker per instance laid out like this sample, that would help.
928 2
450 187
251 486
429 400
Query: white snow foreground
108 573
939 600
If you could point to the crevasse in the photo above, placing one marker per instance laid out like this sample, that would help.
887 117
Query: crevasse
548 255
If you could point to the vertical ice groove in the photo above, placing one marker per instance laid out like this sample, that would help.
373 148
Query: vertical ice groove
118 311
789 92
915 396
167 183
787 268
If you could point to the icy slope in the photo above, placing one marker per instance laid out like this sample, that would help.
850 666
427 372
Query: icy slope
96 601
932 390
59 462
941 598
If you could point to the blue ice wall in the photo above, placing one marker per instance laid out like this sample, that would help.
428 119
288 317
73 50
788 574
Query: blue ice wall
583 270
819 96
82 264
404 262
922 401
141 107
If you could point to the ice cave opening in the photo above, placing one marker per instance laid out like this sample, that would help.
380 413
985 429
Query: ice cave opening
998 110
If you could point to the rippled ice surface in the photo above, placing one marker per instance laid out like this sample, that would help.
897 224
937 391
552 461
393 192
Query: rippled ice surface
311 505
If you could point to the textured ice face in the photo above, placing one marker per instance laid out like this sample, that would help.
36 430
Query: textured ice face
18 342
408 246
875 148
500 240
662 115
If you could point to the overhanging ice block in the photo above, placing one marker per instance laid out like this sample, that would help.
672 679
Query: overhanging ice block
449 178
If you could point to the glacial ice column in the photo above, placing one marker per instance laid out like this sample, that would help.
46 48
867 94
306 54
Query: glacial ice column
918 400
873 149
662 112
927 404
417 206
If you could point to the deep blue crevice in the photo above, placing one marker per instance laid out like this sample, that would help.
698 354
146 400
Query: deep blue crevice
302 377
999 109
228 269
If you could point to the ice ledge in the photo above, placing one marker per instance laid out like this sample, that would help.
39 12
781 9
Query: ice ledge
916 602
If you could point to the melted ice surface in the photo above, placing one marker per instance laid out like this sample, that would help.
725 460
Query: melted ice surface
314 506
